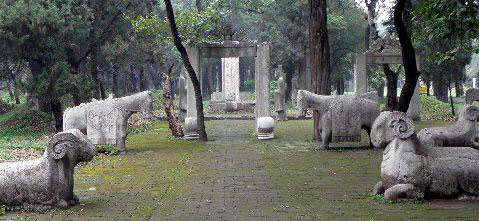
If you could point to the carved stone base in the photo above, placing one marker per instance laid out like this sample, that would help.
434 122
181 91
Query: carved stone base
191 129
265 128
281 116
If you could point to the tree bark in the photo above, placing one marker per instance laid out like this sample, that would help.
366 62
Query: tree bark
392 85
409 58
340 86
173 123
440 88
428 88
100 90
459 89
191 72
142 80
320 57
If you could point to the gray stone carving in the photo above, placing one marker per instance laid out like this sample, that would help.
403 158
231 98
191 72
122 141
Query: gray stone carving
106 121
46 182
280 95
410 170
461 134
182 100
341 117
472 94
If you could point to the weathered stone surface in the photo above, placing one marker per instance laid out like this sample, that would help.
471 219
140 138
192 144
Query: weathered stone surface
191 128
46 182
183 94
463 133
265 128
231 79
342 117
106 121
217 96
472 94
279 97
410 170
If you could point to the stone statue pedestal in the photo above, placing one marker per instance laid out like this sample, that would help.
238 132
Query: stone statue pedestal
265 128
191 128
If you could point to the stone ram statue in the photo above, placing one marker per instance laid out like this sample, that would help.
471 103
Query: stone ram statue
472 94
341 117
46 182
410 170
461 134
106 121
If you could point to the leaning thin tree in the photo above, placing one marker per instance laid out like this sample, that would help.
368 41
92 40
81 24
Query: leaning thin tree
408 56
173 122
191 71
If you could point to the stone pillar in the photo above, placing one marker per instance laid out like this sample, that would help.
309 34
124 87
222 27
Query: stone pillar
191 127
360 74
231 83
183 94
264 122
414 110
279 100
474 82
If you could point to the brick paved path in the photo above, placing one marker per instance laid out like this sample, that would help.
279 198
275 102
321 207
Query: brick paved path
236 185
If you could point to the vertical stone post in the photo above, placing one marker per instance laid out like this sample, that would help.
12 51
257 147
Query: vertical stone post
264 121
414 110
191 127
474 82
360 74
183 94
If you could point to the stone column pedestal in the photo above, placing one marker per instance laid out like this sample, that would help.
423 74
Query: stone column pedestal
191 128
265 128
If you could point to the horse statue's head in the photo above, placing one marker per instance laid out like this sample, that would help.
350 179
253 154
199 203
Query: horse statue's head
146 107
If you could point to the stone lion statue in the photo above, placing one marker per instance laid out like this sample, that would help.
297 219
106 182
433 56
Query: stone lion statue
461 134
46 182
410 170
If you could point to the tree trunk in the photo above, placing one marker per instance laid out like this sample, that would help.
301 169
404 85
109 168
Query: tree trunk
142 80
392 86
340 86
191 71
198 5
115 82
428 88
459 89
409 58
173 123
57 111
100 90
450 98
440 88
320 57
10 89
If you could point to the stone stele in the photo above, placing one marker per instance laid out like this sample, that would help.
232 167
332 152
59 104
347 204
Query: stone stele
341 117
410 170
461 134
46 182
279 99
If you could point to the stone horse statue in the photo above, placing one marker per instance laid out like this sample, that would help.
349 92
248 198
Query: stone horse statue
341 117
106 121
410 170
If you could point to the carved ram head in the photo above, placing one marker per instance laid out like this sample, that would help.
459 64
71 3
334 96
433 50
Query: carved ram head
390 125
